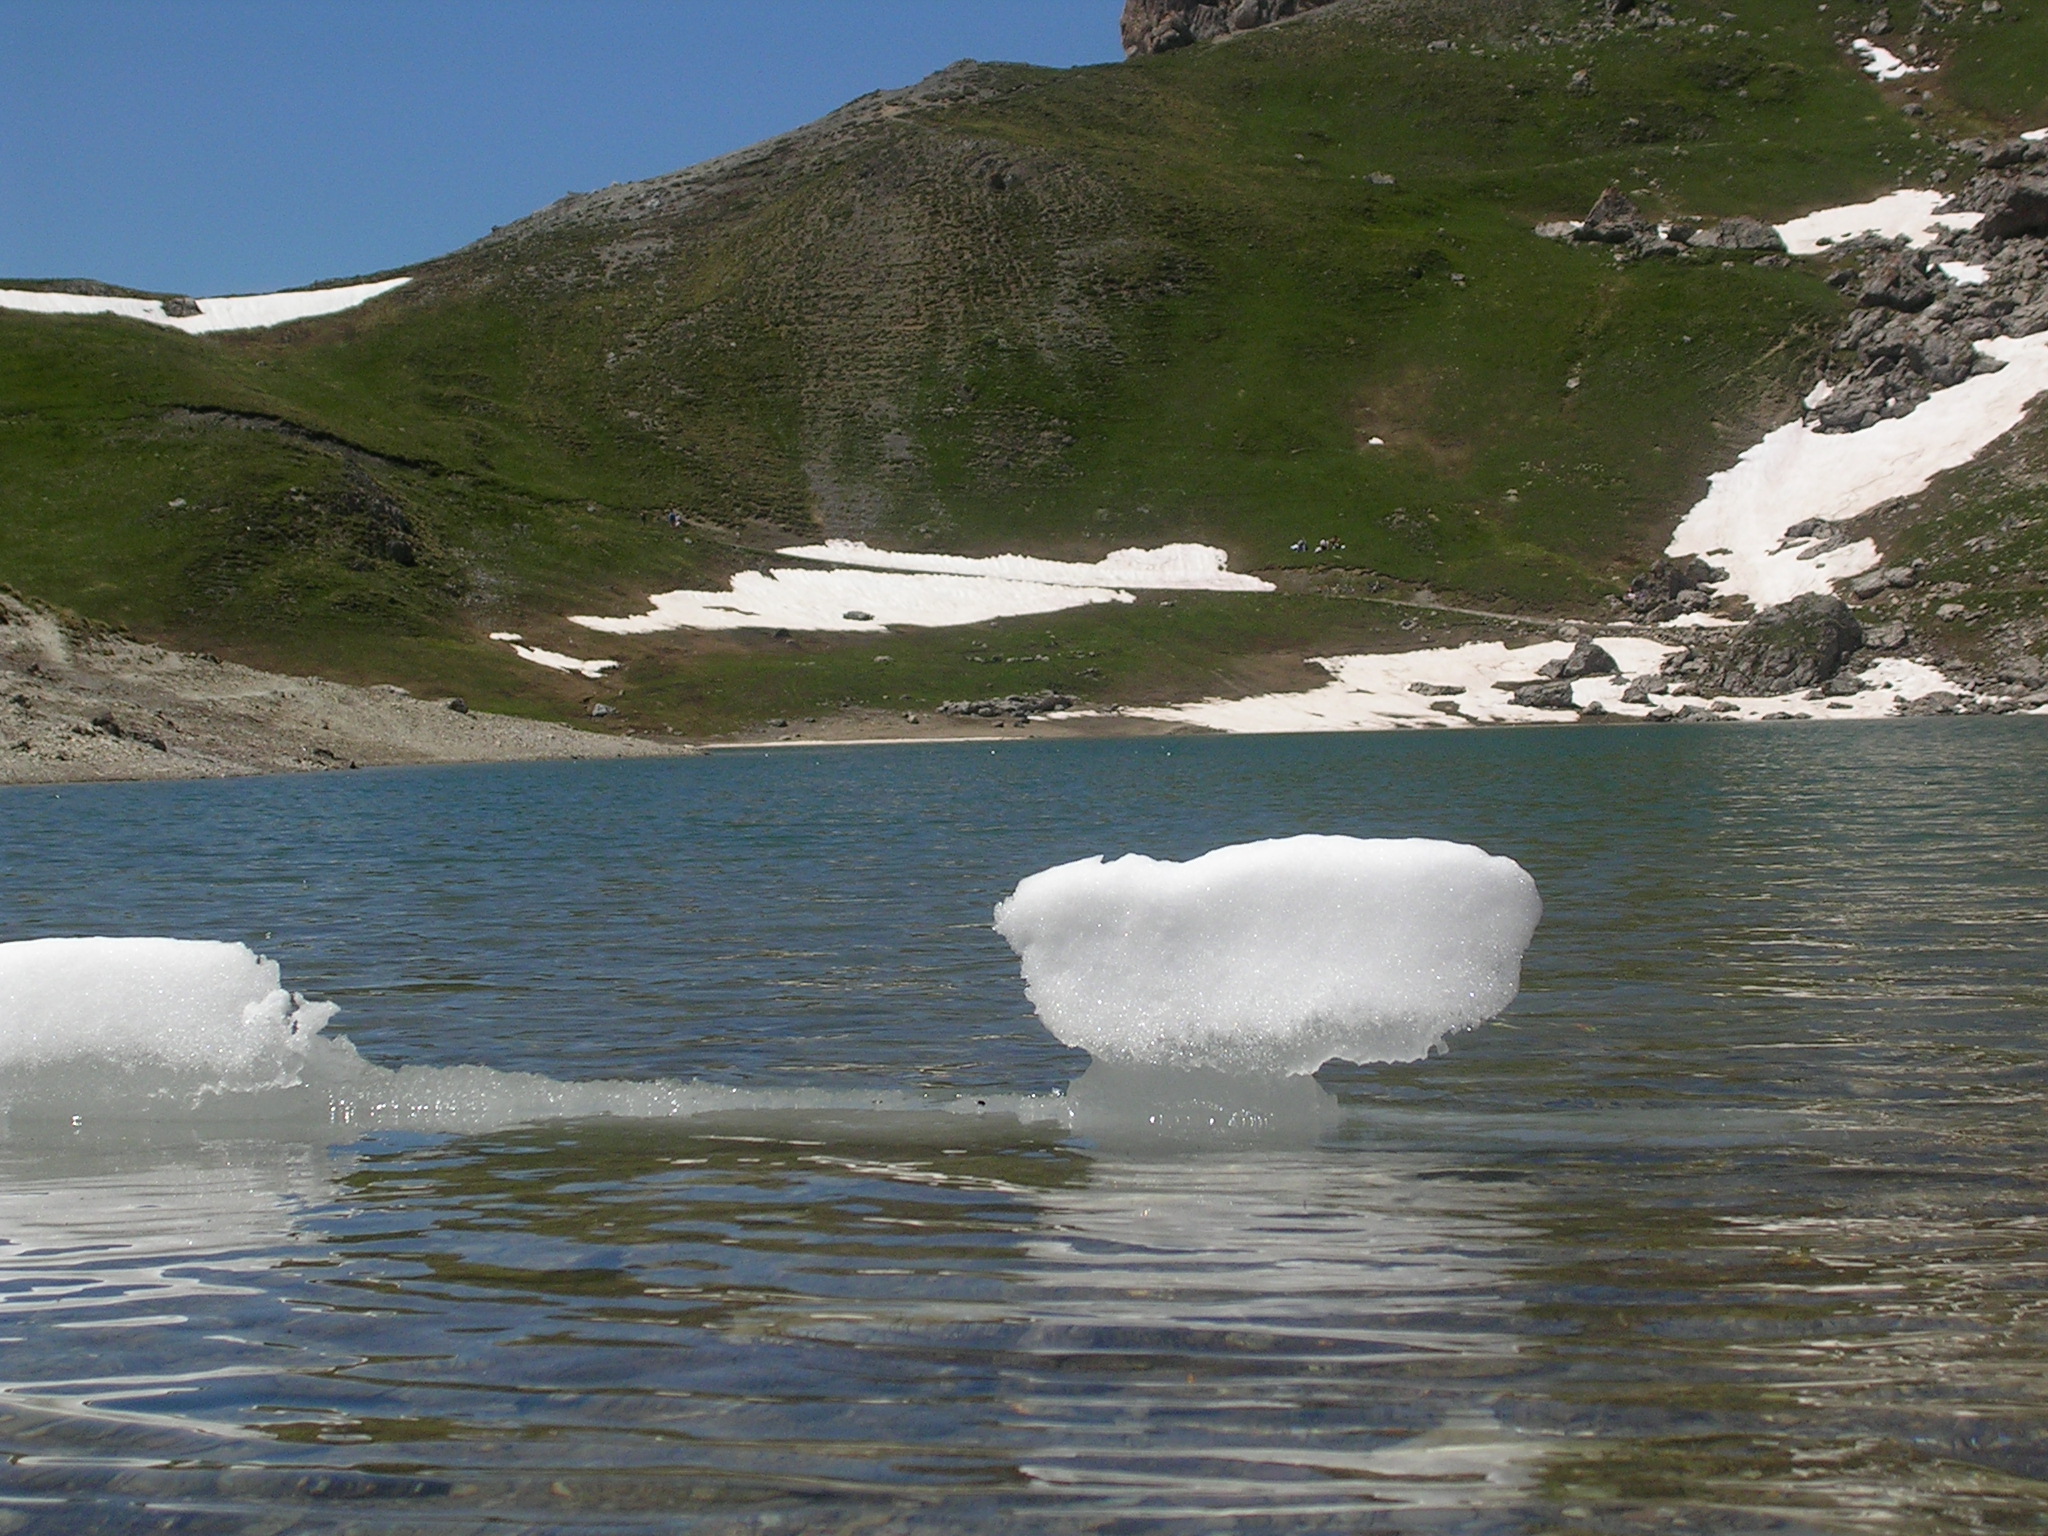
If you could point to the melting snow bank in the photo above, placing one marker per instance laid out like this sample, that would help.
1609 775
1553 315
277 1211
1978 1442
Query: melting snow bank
1881 64
1797 473
239 312
1909 213
190 1032
1476 684
554 660
1271 958
885 587
1173 567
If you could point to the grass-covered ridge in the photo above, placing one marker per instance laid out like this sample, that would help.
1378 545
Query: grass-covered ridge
1051 311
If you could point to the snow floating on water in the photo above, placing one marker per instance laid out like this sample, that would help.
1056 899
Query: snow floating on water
1268 959
237 312
187 1008
132 1033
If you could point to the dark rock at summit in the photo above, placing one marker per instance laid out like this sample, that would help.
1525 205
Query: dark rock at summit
1799 644
1157 26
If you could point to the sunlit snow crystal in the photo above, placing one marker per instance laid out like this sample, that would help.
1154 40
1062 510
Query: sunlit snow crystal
213 1010
1273 957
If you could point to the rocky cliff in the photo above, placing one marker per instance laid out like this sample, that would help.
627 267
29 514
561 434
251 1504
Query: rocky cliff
1154 26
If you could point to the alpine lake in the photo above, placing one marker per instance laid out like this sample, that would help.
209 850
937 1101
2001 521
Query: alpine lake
1736 1221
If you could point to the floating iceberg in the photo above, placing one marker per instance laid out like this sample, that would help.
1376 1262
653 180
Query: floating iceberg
125 1034
1272 958
192 1008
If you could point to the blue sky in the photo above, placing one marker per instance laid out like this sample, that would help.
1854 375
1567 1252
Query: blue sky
216 147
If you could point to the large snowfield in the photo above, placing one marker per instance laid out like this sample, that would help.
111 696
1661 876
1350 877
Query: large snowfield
239 312
871 590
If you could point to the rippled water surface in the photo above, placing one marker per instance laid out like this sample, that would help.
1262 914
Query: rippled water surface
1735 1223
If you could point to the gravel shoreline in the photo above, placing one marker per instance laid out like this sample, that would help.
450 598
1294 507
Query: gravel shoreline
77 705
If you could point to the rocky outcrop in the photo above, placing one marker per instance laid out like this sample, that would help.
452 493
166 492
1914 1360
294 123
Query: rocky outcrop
1800 644
1920 313
1021 706
1156 26
1672 587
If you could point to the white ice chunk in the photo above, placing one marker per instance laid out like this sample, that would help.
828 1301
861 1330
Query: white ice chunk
1173 567
1820 394
1272 957
239 312
848 600
2035 135
1910 213
1967 273
1796 473
1881 64
212 1012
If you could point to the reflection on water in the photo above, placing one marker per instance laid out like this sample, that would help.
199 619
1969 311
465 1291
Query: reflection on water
1736 1222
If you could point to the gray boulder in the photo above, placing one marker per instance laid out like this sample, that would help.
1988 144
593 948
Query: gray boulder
1548 695
1796 645
1614 220
1586 660
1741 233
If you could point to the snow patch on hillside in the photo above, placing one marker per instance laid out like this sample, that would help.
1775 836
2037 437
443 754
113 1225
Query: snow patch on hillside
1172 567
1797 473
1909 213
238 312
1377 693
876 588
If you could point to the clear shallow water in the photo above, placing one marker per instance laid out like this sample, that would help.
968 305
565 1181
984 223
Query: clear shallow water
1737 1222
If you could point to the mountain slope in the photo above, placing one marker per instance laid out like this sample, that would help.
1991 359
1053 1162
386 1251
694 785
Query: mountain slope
1018 309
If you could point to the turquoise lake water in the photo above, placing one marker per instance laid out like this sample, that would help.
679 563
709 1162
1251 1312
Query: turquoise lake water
1737 1221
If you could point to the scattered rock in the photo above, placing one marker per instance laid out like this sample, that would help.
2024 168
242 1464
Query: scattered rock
1741 233
2018 207
1614 220
1544 695
1940 702
1436 690
1639 690
1889 636
1586 660
1016 705
1671 587
857 616
1897 282
460 706
599 711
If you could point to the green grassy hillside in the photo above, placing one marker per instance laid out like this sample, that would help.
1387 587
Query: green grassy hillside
1016 309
